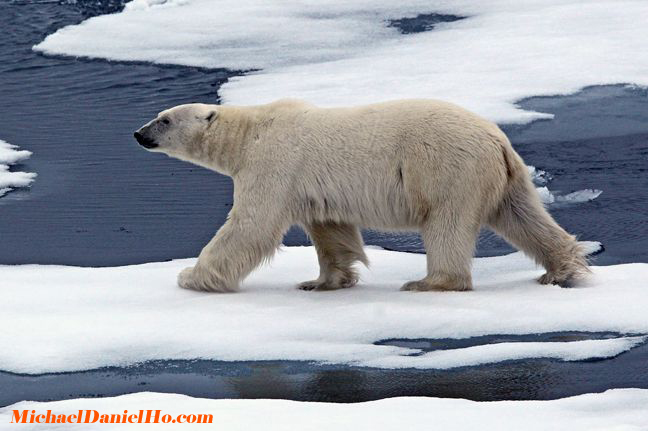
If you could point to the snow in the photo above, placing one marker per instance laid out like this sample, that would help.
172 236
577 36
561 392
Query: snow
334 52
618 409
59 318
10 155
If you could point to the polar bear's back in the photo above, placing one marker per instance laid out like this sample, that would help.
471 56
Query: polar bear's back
419 127
383 160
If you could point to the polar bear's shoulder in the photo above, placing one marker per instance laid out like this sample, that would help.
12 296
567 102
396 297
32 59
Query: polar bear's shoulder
289 103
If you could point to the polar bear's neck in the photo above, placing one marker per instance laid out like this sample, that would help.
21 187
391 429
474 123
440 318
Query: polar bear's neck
224 143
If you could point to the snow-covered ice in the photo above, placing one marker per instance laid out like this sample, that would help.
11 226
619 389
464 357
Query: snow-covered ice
579 196
10 155
538 176
618 409
335 52
58 318
548 197
489 353
541 178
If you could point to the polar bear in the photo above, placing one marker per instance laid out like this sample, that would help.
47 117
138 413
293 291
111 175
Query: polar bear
413 165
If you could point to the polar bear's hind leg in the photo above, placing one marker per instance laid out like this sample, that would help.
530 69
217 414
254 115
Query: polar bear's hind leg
338 247
522 220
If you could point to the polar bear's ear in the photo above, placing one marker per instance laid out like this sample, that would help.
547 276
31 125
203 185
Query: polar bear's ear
211 116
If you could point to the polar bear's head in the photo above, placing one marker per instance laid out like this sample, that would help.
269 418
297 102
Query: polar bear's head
178 131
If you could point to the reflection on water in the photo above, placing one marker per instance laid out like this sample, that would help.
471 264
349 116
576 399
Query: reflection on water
526 379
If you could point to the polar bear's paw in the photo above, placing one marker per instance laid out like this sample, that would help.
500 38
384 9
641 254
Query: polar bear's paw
323 285
444 284
335 284
311 285
562 281
318 285
196 278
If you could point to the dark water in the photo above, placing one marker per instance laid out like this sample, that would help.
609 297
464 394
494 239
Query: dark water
513 380
101 200
598 139
98 198
422 22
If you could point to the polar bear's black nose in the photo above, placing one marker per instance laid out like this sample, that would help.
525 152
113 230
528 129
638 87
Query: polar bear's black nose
144 141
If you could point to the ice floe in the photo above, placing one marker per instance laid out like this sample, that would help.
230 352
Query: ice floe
489 353
10 155
59 318
541 178
334 52
617 409
585 195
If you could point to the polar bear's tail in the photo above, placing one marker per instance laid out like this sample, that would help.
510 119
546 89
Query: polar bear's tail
523 221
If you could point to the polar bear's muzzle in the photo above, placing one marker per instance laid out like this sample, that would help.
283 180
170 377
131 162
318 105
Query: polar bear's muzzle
144 140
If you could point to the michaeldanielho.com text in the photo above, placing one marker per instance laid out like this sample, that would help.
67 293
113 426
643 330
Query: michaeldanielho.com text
93 416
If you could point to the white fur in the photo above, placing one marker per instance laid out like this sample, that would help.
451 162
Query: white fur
420 165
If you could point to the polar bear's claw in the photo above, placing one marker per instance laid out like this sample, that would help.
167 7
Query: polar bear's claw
326 285
309 285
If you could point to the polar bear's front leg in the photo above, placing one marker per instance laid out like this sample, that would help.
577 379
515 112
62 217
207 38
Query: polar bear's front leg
202 279
238 247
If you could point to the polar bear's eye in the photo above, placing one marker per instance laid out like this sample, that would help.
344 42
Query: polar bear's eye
165 121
